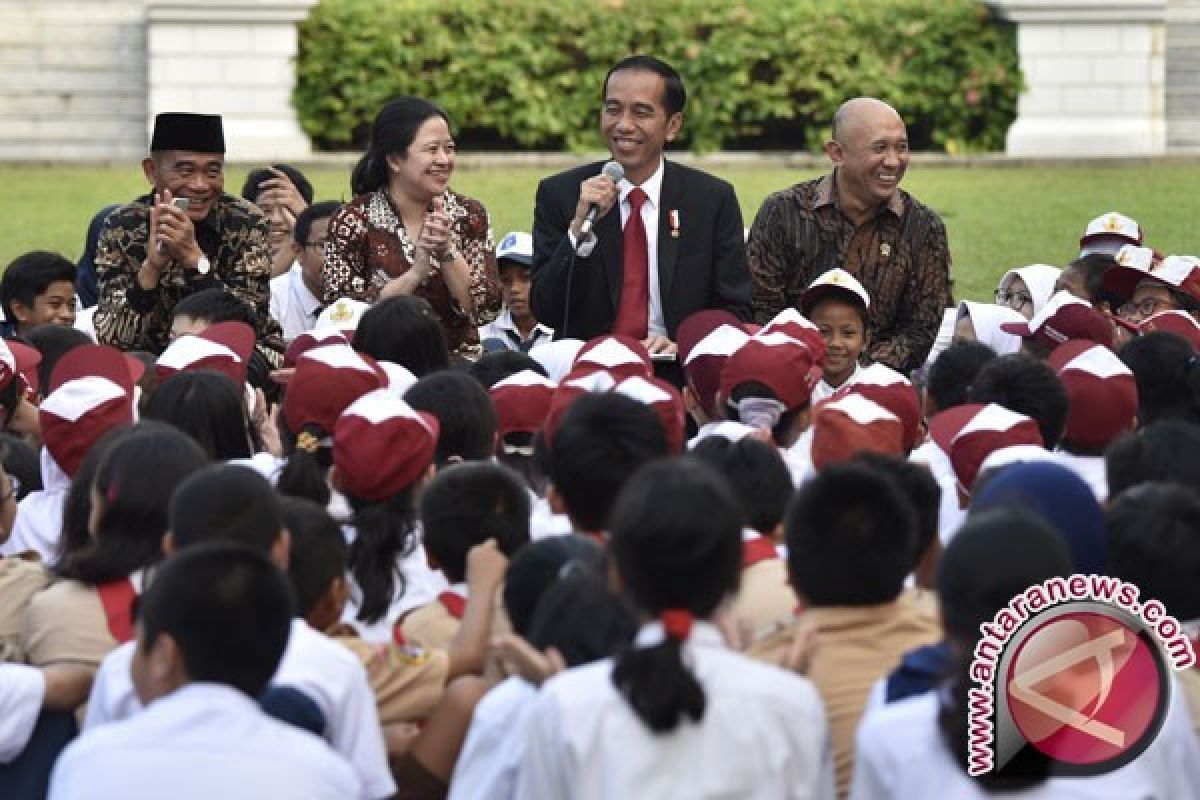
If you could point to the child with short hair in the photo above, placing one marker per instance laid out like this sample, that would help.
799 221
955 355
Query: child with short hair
214 627
679 714
38 288
296 293
462 507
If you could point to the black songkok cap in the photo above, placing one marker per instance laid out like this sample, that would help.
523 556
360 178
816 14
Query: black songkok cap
199 133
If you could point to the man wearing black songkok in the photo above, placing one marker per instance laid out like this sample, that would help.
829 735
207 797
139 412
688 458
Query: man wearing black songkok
153 252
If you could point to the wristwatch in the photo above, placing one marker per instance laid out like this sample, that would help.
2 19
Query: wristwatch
448 256
203 265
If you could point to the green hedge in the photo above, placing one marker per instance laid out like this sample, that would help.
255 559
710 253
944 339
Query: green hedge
527 75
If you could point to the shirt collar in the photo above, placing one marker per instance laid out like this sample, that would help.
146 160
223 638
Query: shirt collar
505 323
652 185
309 302
827 195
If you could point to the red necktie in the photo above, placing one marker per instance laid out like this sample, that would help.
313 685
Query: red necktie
632 309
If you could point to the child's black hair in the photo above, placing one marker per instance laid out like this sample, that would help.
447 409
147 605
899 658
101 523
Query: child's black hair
1154 543
491 368
403 330
1167 372
384 534
464 411
954 371
676 542
1027 386
1164 452
135 481
215 305
209 407
600 442
831 527
917 483
229 611
318 552
229 503
314 213
535 568
251 189
756 473
467 504
29 275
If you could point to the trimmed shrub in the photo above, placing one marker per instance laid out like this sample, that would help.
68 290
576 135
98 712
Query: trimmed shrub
524 74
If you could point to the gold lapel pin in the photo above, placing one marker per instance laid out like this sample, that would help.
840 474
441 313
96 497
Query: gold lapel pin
885 249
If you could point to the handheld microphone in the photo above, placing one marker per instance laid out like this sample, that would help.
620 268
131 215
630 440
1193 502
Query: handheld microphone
614 172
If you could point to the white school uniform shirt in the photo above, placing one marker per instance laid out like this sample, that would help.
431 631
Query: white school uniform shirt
22 692
950 516
203 740
763 734
292 305
85 321
422 585
1090 468
900 754
325 671
823 391
650 210
487 766
504 330
543 522
38 525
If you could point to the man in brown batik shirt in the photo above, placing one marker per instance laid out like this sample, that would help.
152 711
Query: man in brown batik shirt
859 219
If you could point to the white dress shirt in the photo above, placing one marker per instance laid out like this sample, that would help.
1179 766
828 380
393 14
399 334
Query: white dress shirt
505 331
487 766
203 740
823 391
292 305
763 734
22 691
421 586
950 516
901 754
650 210
325 671
38 525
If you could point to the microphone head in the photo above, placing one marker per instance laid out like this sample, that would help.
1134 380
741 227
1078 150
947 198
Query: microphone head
614 171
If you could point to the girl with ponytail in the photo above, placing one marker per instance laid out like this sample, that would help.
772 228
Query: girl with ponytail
677 714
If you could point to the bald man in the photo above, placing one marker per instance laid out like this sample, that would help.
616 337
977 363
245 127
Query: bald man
858 218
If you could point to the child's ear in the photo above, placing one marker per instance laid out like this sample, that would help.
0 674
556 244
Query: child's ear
22 312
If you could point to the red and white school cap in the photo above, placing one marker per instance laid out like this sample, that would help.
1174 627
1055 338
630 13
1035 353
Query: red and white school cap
1114 224
781 363
851 424
18 359
1181 273
706 341
381 446
887 387
619 355
1101 392
326 381
224 347
835 281
967 434
1063 318
1180 323
310 340
522 402
91 392
665 400
574 386
794 324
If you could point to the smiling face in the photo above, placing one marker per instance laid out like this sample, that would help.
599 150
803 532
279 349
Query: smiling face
870 150
635 121
423 171
200 177
841 326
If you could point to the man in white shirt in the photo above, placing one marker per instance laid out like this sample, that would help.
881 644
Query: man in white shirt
213 627
236 503
516 328
296 294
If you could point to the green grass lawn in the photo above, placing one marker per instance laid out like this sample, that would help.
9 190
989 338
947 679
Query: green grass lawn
998 217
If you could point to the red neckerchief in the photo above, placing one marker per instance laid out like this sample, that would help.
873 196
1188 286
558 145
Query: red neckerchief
454 603
117 598
756 550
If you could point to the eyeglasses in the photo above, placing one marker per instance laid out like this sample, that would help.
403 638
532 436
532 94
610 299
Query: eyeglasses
1146 308
1014 300
319 244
